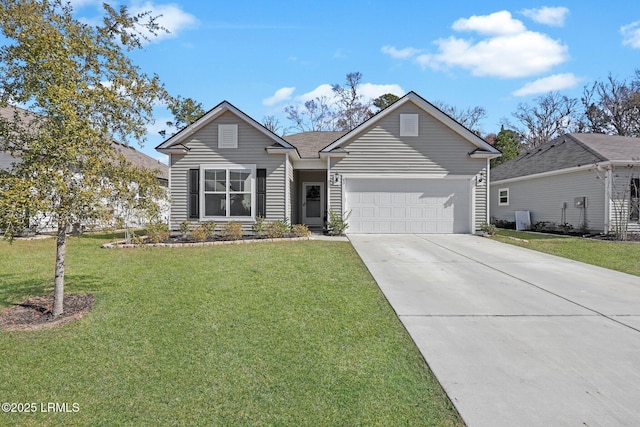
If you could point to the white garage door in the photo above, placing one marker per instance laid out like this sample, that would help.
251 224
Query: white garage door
408 205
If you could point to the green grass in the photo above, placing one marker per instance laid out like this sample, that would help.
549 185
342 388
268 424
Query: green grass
620 256
284 334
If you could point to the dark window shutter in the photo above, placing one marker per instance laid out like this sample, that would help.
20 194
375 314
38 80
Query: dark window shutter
194 193
261 192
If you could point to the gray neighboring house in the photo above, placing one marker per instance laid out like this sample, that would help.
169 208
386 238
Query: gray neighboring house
579 179
132 155
409 169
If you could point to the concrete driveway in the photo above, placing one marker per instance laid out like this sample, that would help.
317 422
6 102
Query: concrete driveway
515 337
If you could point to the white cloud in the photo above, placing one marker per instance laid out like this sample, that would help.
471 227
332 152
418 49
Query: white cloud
372 91
509 50
324 90
170 17
405 53
498 23
548 84
631 34
282 94
553 16
509 56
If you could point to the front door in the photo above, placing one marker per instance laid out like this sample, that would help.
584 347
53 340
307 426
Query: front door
313 203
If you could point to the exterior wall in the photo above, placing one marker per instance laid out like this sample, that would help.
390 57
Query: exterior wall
437 150
204 149
545 196
618 196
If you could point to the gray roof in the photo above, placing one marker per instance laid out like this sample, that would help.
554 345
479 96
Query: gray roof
131 154
309 144
567 151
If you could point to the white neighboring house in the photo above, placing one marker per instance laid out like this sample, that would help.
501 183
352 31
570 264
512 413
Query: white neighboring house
132 155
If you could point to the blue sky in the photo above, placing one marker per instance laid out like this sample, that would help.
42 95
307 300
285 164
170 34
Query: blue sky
264 55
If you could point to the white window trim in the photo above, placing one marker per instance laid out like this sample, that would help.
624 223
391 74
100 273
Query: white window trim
500 202
227 167
409 124
222 131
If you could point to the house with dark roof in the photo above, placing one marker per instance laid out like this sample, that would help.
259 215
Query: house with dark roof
409 169
586 181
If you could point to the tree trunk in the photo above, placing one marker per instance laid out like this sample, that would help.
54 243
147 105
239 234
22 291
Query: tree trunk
61 249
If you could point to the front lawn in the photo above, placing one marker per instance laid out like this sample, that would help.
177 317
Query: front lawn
620 256
287 333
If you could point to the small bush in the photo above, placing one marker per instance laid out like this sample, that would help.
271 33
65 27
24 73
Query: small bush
157 232
232 231
337 224
276 229
209 228
258 226
490 229
501 223
300 230
199 234
184 228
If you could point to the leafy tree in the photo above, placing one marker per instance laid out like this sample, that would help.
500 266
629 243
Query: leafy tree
185 111
613 106
508 142
384 101
469 117
84 90
551 116
352 109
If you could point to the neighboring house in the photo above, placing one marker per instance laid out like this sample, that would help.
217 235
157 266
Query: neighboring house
582 180
409 169
132 155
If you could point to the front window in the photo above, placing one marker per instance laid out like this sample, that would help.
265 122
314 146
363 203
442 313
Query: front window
503 197
228 192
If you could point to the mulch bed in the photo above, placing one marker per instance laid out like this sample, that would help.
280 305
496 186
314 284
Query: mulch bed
35 313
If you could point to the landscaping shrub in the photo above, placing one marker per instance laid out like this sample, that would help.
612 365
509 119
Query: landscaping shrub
258 226
232 231
209 228
157 232
300 230
184 228
337 224
276 229
490 229
199 234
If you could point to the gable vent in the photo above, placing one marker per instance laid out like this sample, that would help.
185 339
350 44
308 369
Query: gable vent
408 125
227 136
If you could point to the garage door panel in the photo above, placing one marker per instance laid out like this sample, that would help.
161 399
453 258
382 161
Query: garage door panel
408 206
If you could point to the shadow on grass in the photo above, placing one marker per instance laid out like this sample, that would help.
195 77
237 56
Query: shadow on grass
15 289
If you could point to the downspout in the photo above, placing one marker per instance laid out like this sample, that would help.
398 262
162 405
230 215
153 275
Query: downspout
488 190
287 193
607 201
327 204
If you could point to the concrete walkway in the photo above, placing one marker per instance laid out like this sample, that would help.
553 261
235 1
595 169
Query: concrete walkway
515 337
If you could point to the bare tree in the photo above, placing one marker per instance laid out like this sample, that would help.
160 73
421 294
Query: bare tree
613 106
273 124
353 109
469 117
316 115
551 115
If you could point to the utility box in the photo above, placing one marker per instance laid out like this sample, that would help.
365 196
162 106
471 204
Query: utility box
580 202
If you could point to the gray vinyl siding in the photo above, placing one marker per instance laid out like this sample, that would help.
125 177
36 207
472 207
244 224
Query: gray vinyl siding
481 202
203 149
437 150
545 196
619 197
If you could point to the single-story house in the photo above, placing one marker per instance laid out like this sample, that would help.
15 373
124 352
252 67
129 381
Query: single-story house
409 169
132 155
579 180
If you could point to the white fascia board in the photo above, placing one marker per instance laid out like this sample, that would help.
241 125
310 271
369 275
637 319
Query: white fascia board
561 172
280 150
309 164
485 155
212 115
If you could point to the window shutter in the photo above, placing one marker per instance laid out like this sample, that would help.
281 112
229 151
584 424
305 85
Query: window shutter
261 192
193 191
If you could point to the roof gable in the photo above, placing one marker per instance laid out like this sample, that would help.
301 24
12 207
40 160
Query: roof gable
481 145
177 141
309 144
